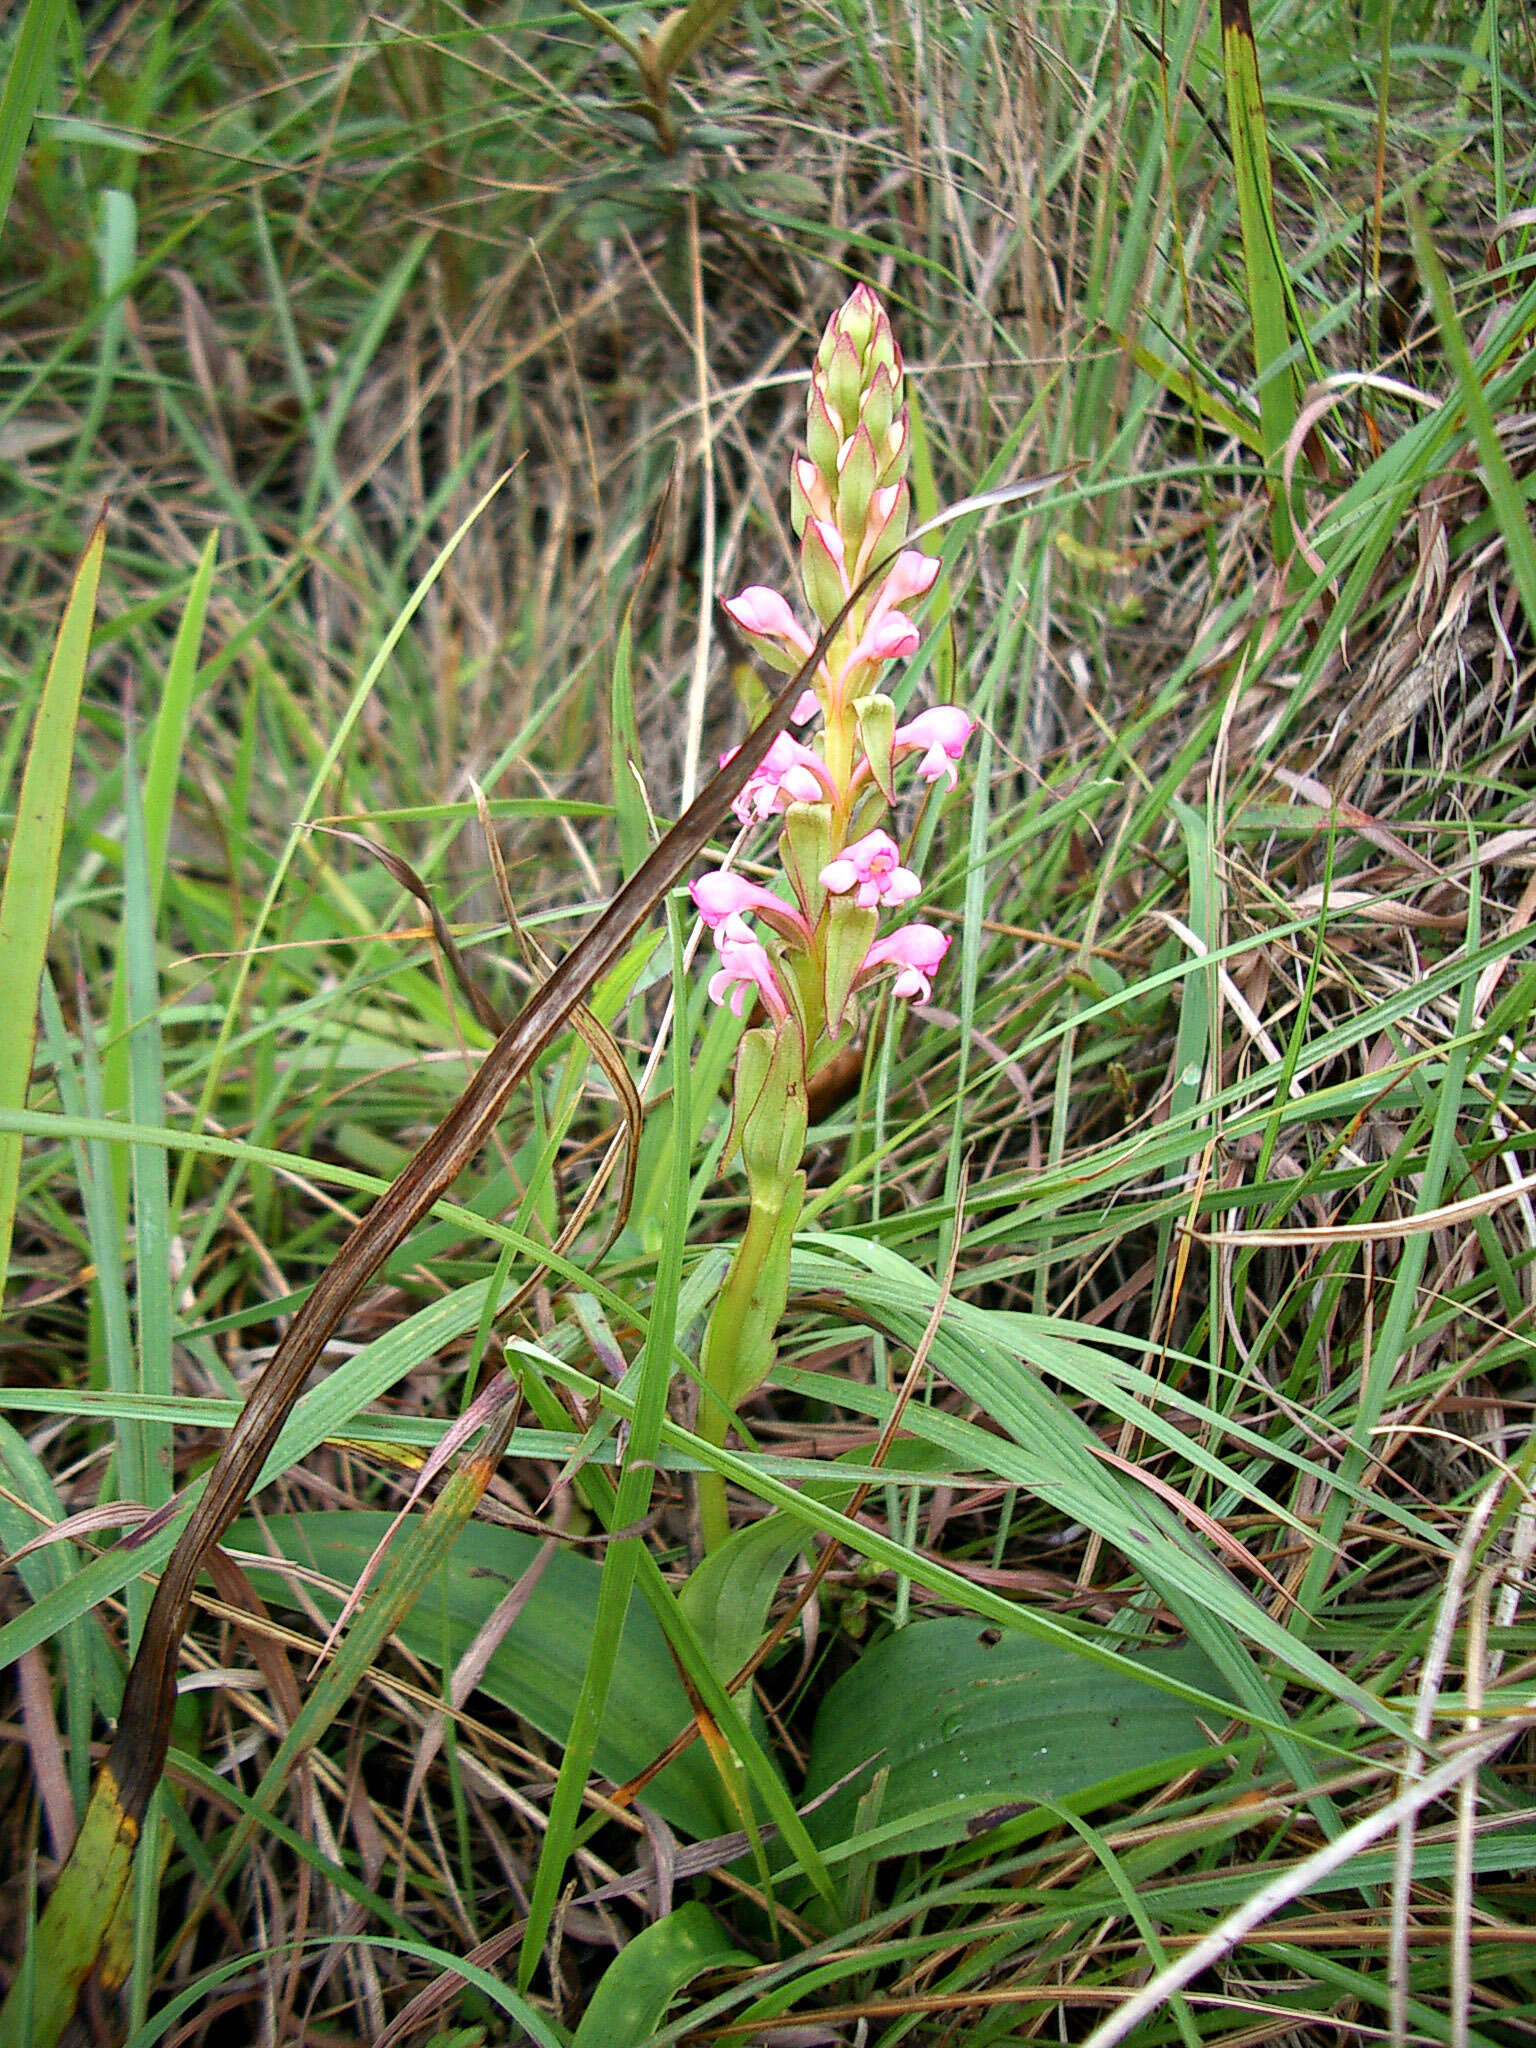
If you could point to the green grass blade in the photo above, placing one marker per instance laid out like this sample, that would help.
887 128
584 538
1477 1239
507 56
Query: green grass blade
631 1506
26 76
1263 265
31 875
1509 501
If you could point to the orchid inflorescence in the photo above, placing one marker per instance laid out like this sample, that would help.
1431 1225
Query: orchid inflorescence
851 504
804 957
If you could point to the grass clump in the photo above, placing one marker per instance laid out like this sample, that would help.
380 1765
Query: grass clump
1141 1638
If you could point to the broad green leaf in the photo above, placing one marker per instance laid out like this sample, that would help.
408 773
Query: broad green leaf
965 1721
728 1596
648 1972
83 1906
538 1668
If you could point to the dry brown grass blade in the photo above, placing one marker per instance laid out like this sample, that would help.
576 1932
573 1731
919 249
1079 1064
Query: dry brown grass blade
485 1011
137 1755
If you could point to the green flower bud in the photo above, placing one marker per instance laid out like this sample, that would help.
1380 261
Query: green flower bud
855 487
842 385
879 408
823 437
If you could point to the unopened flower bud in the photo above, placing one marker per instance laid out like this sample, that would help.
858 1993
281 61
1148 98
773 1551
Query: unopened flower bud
841 384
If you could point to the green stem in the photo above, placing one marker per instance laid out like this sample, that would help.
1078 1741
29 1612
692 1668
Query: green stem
738 1350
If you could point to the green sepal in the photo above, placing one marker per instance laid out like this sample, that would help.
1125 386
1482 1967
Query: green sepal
880 407
850 932
895 449
805 847
754 1054
823 436
820 576
855 488
843 383
877 729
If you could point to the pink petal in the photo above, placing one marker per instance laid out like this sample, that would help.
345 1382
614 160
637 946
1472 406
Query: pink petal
890 638
941 734
745 967
872 865
917 950
723 894
830 539
912 574
766 613
787 774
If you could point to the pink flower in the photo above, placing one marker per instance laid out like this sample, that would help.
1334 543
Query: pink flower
912 574
917 950
722 896
890 638
766 615
872 865
941 735
744 965
787 774
807 704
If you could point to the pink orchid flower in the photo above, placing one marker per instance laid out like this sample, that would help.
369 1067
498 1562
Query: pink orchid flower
723 895
787 774
917 950
872 865
766 615
744 965
912 574
940 734
891 638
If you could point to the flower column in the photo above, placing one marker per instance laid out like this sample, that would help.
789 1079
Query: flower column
815 948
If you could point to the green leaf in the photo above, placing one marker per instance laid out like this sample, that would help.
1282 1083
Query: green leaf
538 1667
32 873
647 1974
1263 264
84 1904
964 1723
728 1596
25 77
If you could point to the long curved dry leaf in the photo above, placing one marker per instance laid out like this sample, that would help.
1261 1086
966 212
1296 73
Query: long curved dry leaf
137 1754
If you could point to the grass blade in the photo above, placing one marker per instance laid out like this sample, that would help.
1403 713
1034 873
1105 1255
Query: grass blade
25 77
32 873
1268 290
